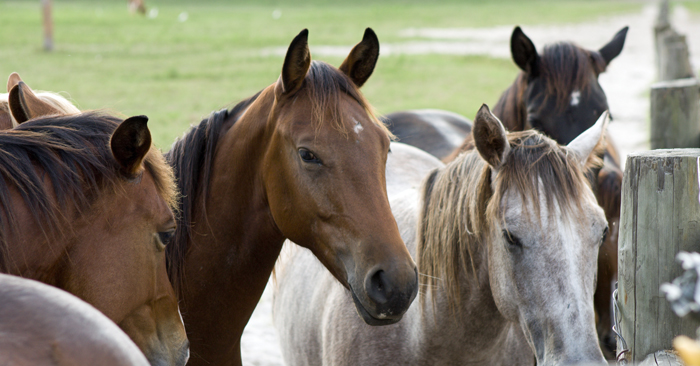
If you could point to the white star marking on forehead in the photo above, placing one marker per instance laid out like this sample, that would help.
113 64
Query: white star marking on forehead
358 127
575 98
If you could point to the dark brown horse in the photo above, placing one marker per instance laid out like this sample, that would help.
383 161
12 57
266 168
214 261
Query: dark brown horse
85 205
42 325
303 160
557 92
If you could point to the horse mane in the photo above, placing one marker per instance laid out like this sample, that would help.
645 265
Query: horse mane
73 153
461 205
324 85
55 100
564 67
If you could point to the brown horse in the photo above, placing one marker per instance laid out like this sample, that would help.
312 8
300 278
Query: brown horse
42 325
85 205
29 104
304 159
557 92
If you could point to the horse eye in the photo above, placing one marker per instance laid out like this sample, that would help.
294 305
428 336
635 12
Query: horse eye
166 236
605 235
512 240
308 157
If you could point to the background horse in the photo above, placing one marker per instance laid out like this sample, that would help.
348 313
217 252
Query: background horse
558 94
85 206
303 159
30 104
435 131
504 237
42 325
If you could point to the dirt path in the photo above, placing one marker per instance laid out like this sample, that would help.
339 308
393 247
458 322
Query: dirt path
626 83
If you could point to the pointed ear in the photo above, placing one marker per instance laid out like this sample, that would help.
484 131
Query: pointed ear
25 105
130 143
614 47
490 137
13 80
586 142
360 63
5 116
296 64
524 52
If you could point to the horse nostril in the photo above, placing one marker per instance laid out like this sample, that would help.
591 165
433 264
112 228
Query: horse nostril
379 289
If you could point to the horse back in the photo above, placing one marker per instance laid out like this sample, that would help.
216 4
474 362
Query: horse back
42 325
435 131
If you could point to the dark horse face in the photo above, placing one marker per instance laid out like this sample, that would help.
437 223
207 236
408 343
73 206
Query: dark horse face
558 90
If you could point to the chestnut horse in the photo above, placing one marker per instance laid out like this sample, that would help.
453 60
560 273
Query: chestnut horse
504 237
29 104
303 159
42 325
85 205
558 94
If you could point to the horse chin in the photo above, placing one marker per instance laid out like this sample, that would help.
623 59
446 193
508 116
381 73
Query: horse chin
368 318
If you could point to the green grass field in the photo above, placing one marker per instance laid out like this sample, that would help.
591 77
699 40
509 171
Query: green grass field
177 72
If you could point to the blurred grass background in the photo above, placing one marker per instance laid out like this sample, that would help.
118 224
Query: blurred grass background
176 72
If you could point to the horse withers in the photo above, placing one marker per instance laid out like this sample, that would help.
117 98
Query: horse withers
85 205
303 159
42 325
505 238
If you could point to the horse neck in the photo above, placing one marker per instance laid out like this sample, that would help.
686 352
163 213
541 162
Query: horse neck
237 191
234 242
510 108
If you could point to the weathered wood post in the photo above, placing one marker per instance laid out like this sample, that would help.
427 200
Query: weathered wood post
48 24
672 56
660 216
675 114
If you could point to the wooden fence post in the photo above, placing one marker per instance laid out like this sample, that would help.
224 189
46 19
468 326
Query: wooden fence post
48 24
660 216
675 114
672 56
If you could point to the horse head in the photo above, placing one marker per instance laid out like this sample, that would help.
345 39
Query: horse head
95 222
326 160
557 91
545 232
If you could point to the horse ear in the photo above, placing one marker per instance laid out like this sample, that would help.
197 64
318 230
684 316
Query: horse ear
490 137
524 52
5 116
360 63
25 105
614 47
296 63
130 143
13 80
586 142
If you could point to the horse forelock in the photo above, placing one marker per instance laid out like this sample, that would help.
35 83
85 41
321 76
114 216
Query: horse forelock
461 204
73 154
566 68
324 85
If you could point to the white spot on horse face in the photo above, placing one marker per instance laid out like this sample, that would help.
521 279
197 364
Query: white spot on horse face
575 98
358 127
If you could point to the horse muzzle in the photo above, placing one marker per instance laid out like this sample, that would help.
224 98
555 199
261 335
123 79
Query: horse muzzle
385 299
